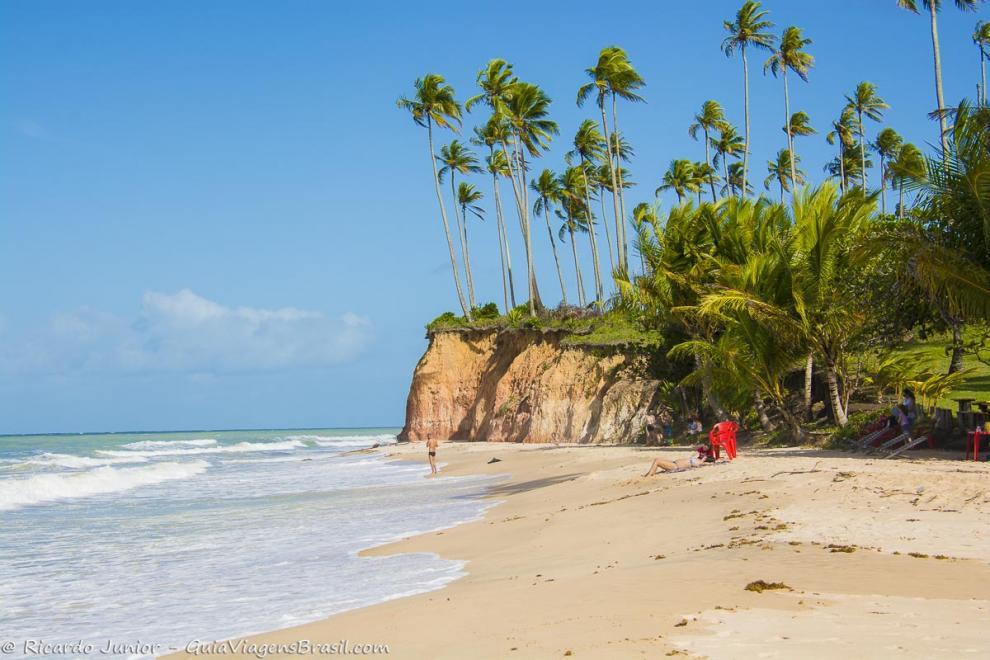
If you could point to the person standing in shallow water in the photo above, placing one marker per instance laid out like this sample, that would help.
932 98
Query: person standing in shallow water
431 449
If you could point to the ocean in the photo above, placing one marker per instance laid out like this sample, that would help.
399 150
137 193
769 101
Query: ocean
169 537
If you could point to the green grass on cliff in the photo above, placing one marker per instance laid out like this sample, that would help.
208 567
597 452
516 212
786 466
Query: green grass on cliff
582 327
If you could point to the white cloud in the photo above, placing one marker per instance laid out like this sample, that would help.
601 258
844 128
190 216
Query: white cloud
184 332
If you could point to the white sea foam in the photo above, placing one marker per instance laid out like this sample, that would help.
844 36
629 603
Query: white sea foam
15 493
346 440
240 447
72 461
166 444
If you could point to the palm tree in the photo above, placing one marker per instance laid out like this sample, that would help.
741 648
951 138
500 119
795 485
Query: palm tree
467 198
748 30
865 101
981 37
548 191
456 158
433 103
844 133
623 152
790 55
704 173
493 133
526 111
496 81
680 178
589 146
728 143
933 7
577 216
734 182
708 120
907 167
887 145
784 172
613 76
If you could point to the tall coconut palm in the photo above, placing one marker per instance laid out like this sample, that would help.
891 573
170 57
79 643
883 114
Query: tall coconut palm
680 178
613 77
493 134
433 104
843 133
707 121
589 147
735 183
467 199
704 173
784 172
577 217
933 7
981 37
623 152
906 168
548 192
496 81
527 110
727 144
458 159
790 55
865 102
887 144
749 30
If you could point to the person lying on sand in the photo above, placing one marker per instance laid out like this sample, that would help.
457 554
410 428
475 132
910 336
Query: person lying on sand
705 457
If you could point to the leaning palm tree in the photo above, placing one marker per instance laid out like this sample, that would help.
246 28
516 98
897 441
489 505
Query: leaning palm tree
843 133
492 134
457 158
613 77
727 144
748 30
865 102
433 103
981 37
527 110
906 168
467 199
708 120
495 80
577 217
680 178
704 173
933 7
589 147
790 55
784 172
887 144
547 189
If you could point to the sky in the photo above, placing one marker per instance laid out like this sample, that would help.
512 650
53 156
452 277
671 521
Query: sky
212 215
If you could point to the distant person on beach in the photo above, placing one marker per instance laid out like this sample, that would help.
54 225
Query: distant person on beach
694 427
706 456
431 449
652 429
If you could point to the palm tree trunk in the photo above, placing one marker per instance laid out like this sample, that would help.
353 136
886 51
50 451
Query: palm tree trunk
501 241
956 362
535 304
462 235
553 245
725 172
983 76
761 412
593 237
883 185
862 149
620 258
446 225
809 374
843 184
792 422
467 262
577 264
938 81
622 189
900 206
787 127
711 169
608 236
831 377
746 107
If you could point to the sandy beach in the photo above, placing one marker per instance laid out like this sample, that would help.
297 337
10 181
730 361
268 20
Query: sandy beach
583 556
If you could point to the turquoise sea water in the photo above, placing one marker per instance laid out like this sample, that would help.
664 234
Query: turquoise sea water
170 537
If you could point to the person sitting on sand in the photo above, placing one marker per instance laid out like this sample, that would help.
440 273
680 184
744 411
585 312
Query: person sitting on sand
431 448
706 456
694 427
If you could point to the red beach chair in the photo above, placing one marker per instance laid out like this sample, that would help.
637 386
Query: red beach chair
723 436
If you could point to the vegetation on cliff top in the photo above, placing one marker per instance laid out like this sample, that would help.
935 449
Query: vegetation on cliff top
753 301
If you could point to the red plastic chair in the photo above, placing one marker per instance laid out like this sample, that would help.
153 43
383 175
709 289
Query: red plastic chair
723 436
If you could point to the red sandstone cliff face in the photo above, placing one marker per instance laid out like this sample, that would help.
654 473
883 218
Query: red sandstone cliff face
524 387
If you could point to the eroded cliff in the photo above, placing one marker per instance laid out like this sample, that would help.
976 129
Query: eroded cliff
526 386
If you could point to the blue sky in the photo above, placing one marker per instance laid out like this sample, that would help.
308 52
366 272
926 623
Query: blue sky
213 216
